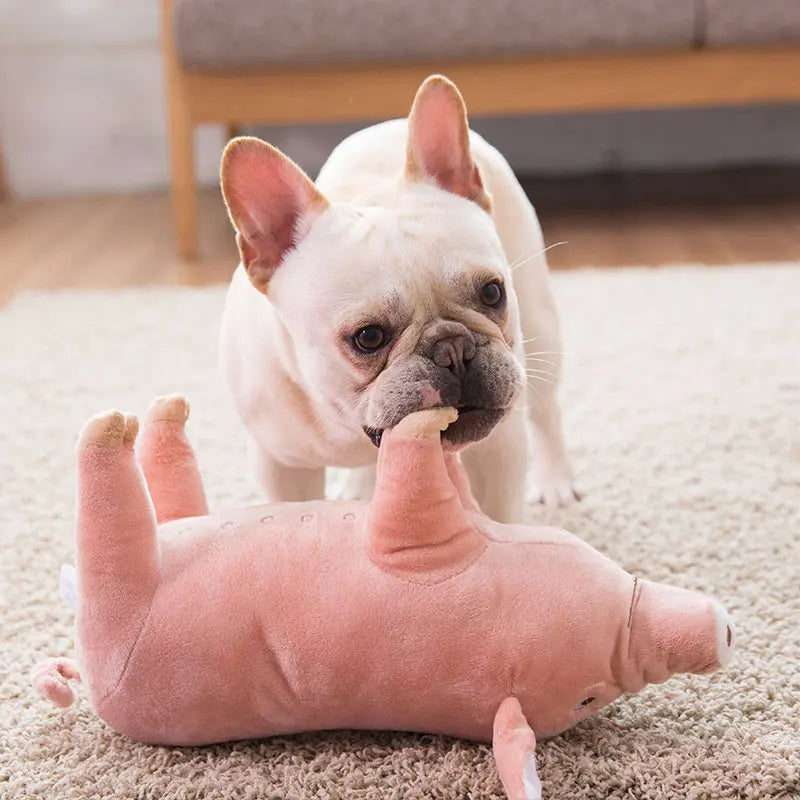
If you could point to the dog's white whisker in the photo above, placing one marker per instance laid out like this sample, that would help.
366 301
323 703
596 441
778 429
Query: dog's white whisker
544 370
538 400
540 369
541 378
531 387
519 262
540 360
525 259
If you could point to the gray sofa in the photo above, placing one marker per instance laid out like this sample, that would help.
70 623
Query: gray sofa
215 34
276 61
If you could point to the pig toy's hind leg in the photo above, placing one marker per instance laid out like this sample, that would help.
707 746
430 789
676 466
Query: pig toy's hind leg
118 557
514 748
169 463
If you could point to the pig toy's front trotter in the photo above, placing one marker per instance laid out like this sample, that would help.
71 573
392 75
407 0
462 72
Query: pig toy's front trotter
414 612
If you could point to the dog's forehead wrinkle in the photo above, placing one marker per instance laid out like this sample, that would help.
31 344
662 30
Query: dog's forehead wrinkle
438 249
354 308
427 215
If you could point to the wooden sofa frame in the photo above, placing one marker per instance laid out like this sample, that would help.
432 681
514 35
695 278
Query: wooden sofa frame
624 81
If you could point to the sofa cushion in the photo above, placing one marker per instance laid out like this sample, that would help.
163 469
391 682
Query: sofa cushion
752 21
215 34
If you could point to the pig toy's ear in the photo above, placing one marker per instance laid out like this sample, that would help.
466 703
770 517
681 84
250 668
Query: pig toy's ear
438 142
271 203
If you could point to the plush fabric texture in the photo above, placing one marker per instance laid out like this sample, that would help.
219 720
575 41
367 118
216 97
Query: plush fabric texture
214 34
406 613
682 402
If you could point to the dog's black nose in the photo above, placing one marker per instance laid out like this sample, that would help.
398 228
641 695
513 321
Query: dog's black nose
454 352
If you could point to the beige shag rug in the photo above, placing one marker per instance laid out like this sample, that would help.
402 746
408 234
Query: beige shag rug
682 405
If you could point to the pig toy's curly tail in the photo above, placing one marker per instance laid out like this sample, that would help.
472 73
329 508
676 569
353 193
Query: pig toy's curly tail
51 679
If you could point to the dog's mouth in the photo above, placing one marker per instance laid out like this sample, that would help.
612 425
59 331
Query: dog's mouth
473 424
374 435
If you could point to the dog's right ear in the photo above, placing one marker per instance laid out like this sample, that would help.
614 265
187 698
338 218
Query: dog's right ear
271 203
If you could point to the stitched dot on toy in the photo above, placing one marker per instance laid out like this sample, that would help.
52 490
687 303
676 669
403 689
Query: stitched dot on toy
585 702
349 516
730 635
266 520
226 525
306 517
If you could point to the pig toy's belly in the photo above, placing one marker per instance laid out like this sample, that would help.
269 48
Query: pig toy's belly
275 620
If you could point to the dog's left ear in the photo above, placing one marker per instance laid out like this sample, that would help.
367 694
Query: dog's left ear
438 141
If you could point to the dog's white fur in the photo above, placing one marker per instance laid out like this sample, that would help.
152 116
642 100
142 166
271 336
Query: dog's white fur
378 224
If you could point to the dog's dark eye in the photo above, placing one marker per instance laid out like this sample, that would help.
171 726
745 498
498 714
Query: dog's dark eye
370 338
492 293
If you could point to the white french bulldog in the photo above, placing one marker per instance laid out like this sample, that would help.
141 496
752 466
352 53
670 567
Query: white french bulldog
383 289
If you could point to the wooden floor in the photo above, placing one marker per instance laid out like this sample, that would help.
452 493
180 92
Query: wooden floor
121 240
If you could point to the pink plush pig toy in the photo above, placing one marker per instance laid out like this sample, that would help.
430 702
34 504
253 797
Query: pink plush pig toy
413 612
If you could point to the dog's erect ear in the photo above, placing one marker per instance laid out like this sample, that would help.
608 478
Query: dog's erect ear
438 141
271 202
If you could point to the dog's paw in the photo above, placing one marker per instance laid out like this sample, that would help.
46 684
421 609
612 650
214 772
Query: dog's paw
559 495
555 488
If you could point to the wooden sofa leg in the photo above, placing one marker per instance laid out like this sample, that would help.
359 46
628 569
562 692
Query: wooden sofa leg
181 142
184 187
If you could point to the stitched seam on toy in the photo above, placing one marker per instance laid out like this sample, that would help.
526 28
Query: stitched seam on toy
540 544
536 544
489 542
633 597
111 692
491 538
463 568
481 532
634 600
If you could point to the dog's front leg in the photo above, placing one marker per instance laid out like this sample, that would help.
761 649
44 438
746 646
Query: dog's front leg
540 345
497 468
351 484
542 350
288 484
551 468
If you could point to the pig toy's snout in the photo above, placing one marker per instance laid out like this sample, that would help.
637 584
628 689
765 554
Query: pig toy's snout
726 635
675 631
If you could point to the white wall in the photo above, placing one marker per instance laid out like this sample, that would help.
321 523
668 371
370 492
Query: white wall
82 99
82 109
